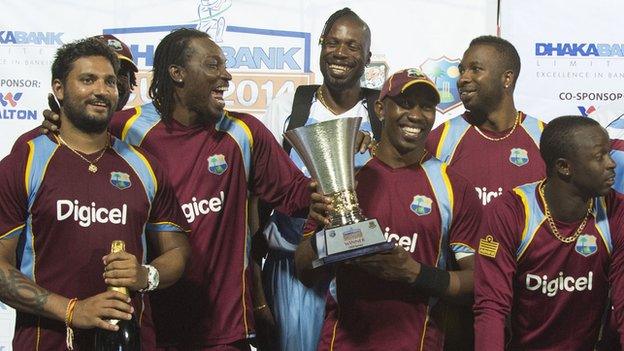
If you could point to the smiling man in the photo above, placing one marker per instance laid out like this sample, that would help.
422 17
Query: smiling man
390 301
551 251
492 144
216 159
345 51
65 198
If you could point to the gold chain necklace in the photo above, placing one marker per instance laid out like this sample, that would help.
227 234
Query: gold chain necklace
319 93
551 221
516 122
92 167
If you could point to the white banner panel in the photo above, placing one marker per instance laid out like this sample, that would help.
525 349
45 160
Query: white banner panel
572 55
271 47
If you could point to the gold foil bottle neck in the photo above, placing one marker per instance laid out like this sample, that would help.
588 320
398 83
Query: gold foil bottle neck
118 246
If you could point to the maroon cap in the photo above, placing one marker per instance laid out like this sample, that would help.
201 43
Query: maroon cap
119 47
401 80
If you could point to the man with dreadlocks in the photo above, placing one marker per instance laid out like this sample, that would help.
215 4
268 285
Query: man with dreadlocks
225 157
345 50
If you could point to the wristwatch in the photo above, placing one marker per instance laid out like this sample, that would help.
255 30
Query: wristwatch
152 278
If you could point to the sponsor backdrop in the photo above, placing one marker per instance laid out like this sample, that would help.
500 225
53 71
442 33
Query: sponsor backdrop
572 52
572 55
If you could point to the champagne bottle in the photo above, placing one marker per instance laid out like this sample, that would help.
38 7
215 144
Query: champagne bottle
128 336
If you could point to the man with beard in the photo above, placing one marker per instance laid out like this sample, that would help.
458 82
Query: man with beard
66 198
389 301
551 251
345 50
492 144
218 159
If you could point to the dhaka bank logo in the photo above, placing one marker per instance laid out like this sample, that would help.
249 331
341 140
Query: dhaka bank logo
444 73
586 245
421 205
217 164
10 99
120 180
519 157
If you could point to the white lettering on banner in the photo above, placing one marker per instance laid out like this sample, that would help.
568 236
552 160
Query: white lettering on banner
86 215
193 209
486 196
550 288
406 242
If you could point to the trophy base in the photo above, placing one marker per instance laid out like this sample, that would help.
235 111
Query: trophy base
349 241
343 256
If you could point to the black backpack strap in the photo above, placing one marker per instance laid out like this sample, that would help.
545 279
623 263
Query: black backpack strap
371 96
300 110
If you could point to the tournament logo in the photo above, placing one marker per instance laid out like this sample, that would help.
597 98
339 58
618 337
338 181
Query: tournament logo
120 180
519 157
586 245
421 205
445 74
217 164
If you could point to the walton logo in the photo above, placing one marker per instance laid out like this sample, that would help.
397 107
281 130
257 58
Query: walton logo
578 49
445 74
10 99
7 111
550 288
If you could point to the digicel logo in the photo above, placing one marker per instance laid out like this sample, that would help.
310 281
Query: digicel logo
550 288
87 215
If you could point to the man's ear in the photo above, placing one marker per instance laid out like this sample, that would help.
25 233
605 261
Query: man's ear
176 73
379 109
58 89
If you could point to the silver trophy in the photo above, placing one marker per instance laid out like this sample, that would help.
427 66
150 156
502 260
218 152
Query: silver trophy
326 149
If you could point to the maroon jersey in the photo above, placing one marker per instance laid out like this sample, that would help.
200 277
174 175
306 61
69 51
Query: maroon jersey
493 167
432 214
214 169
67 217
556 293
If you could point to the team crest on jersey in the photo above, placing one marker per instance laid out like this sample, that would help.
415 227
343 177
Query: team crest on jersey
586 245
421 205
217 164
519 157
120 180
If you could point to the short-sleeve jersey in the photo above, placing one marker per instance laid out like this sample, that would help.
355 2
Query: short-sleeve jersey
214 169
556 293
493 167
66 218
432 213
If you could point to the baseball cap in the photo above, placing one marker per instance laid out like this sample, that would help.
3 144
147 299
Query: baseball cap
119 47
401 80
